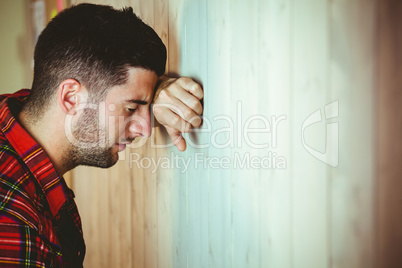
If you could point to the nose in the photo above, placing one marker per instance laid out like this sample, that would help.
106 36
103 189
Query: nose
140 125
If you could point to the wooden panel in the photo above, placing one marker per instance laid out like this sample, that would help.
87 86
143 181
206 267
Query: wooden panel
245 180
275 44
217 123
147 13
163 175
309 93
389 133
178 182
351 69
91 187
193 63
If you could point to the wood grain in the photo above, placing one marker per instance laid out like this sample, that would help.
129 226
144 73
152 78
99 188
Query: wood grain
270 60
389 131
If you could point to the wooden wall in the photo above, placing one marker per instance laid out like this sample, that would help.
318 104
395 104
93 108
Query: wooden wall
297 163
389 132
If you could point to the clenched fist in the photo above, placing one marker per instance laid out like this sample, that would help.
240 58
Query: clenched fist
177 106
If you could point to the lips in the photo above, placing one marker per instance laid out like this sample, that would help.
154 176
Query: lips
121 147
124 142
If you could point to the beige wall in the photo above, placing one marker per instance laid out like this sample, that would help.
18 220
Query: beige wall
15 48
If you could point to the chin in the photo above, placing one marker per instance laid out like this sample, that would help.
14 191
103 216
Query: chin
99 158
110 161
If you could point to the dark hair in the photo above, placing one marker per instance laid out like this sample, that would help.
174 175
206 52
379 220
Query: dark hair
95 45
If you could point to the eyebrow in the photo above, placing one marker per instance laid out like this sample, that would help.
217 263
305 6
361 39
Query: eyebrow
140 102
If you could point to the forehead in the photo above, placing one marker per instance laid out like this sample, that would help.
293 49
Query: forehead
140 86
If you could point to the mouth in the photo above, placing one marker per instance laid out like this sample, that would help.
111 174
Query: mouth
121 146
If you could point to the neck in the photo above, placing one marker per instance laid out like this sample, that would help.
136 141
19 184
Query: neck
45 133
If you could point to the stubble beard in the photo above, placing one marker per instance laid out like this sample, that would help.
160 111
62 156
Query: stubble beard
92 148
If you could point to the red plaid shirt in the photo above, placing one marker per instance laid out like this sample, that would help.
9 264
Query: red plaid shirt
39 222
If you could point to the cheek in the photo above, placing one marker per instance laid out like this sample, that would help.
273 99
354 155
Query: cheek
116 124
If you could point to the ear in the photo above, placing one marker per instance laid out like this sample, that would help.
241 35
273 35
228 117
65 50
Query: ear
69 95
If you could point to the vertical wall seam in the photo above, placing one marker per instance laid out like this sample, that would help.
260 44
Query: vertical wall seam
376 189
291 93
328 169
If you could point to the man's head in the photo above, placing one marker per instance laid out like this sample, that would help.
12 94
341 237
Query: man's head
97 132
99 67
95 45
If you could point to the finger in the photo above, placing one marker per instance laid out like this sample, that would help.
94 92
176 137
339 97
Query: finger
189 85
168 116
188 99
177 139
174 106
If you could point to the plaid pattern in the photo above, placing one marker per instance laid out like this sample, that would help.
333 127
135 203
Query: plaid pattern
32 197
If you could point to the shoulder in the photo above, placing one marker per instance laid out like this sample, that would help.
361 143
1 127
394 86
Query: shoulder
19 197
25 230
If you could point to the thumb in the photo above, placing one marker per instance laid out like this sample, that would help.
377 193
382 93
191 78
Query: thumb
177 138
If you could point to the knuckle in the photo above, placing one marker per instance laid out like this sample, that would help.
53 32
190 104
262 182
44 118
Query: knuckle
186 127
195 104
173 87
184 79
195 87
178 112
196 107
176 120
163 94
186 82
195 121
188 114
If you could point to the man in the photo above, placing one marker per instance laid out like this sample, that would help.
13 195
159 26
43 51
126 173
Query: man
95 72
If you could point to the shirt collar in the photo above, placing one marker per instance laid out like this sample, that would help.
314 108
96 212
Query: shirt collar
36 159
